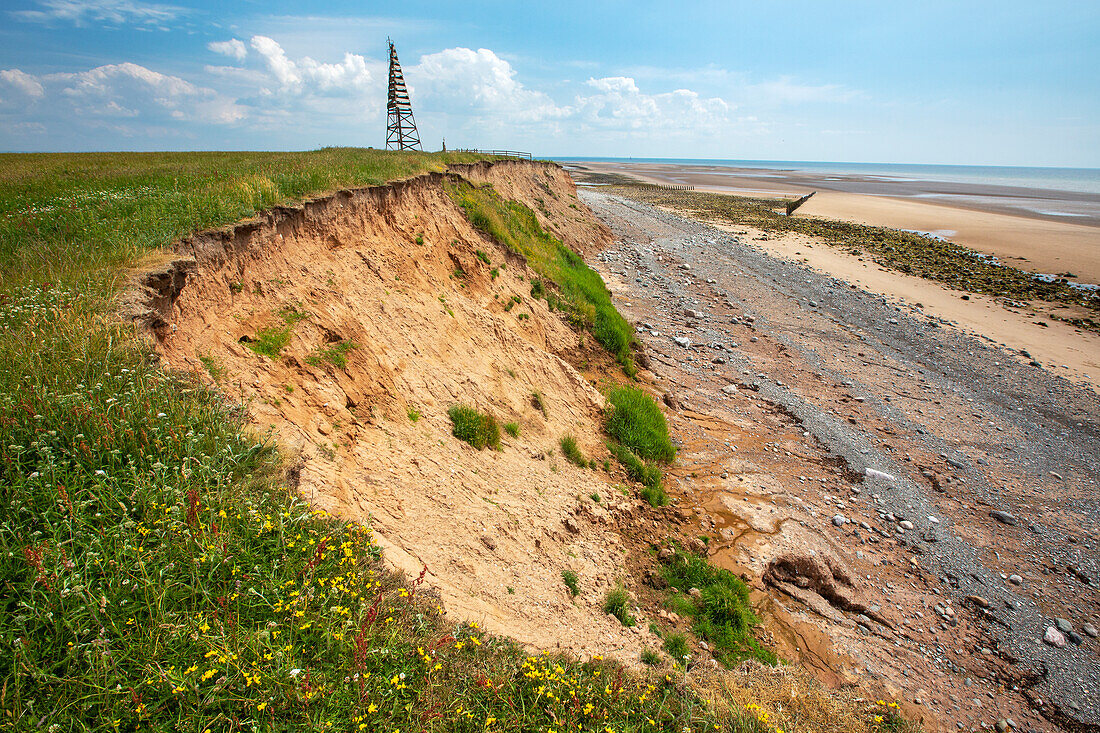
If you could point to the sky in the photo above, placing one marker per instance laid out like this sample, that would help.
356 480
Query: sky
938 82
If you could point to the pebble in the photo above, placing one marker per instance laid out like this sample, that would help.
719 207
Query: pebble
906 524
1064 626
1090 630
1003 517
1001 726
978 601
1015 579
1054 637
839 520
682 341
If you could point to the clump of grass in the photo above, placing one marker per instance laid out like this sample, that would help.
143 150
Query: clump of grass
650 657
413 414
537 289
571 452
655 495
638 470
635 421
335 354
512 428
569 577
539 402
722 613
292 314
583 291
482 256
476 428
676 644
213 367
616 603
270 341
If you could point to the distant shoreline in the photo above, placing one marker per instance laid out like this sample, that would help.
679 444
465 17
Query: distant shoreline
1008 222
1061 179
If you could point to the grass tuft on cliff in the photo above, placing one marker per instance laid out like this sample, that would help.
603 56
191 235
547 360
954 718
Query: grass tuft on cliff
720 611
582 289
476 428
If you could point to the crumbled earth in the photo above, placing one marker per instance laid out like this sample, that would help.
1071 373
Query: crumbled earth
399 277
913 505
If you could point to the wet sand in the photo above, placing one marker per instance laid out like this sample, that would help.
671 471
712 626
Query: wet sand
1004 221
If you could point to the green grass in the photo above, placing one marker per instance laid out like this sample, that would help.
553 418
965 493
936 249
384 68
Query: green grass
655 495
512 428
650 657
638 470
582 290
571 452
635 421
676 644
722 614
271 341
616 603
569 577
413 414
540 402
476 428
335 354
81 219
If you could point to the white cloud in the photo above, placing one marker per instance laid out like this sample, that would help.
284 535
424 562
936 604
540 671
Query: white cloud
620 103
121 90
20 82
111 12
307 76
234 48
479 83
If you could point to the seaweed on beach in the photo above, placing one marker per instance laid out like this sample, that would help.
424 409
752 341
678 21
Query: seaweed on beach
908 252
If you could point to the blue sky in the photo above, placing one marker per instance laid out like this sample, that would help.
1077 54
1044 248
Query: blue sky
996 83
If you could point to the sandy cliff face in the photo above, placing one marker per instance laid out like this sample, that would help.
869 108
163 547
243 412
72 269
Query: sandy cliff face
395 271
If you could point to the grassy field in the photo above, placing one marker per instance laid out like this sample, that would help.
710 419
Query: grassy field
945 262
78 218
156 573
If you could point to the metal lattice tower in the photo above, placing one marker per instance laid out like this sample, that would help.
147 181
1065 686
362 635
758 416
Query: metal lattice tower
400 126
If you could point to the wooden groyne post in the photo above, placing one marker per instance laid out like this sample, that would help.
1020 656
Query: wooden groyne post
792 205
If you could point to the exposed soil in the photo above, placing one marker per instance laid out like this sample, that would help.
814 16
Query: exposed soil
829 381
395 271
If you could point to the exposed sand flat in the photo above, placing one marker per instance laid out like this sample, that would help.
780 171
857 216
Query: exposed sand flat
1030 244
1065 350
1020 236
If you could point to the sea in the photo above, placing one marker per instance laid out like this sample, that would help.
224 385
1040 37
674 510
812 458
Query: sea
1080 180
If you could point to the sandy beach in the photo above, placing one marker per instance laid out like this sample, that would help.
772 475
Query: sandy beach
999 220
1028 242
